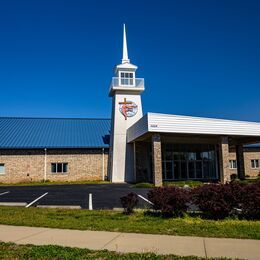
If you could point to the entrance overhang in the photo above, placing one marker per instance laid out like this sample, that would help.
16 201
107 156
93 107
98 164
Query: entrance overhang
238 132
161 129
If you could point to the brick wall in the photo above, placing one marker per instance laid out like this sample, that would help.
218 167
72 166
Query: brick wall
249 154
28 165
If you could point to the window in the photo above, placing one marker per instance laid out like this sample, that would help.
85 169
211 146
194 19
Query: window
255 164
186 161
2 168
232 164
127 78
59 167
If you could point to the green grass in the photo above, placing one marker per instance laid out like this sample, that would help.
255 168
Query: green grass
249 181
137 223
143 185
13 251
182 183
41 183
168 183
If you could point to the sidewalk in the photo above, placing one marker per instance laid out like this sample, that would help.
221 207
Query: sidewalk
132 242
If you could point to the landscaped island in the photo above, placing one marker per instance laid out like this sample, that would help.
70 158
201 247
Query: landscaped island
139 222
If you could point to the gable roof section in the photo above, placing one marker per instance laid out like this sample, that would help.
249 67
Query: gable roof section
37 133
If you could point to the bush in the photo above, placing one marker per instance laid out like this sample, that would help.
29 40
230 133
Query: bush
129 202
233 177
250 201
217 201
172 201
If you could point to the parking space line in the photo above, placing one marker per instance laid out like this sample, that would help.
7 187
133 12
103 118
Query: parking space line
148 201
3 193
31 203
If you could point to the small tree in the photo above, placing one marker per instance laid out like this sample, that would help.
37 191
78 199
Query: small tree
250 201
171 200
217 201
129 202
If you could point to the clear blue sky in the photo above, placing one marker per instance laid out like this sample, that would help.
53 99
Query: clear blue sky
198 58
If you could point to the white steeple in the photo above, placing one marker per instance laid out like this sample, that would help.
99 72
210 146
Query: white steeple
125 52
125 90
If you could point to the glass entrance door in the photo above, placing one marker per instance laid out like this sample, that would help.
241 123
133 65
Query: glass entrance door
183 162
168 170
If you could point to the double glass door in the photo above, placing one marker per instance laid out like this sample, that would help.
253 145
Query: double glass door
182 162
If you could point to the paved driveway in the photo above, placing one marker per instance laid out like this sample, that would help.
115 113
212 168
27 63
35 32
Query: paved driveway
105 196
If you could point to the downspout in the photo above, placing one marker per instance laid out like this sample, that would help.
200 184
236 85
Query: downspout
103 164
45 164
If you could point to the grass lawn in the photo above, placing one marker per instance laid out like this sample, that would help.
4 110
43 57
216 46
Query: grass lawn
13 251
41 183
169 183
137 223
191 183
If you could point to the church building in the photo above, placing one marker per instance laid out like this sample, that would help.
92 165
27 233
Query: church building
129 147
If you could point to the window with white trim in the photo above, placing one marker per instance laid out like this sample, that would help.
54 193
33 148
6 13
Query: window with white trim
59 167
255 164
233 164
2 168
127 78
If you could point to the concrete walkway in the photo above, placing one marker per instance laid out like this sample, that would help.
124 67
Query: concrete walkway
132 242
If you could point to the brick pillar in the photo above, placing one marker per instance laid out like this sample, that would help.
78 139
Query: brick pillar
240 162
224 159
157 159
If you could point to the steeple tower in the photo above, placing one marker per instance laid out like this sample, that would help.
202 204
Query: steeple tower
125 52
125 90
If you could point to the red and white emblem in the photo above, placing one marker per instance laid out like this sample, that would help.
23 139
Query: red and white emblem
128 108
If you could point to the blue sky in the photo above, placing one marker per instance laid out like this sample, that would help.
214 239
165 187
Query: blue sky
198 58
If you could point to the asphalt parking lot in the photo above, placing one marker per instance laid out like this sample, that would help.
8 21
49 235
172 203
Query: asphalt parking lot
104 196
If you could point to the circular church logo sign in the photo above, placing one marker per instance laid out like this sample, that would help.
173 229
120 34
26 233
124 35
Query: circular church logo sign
128 108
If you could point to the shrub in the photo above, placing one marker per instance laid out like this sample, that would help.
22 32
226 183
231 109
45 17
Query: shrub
172 201
129 202
250 201
217 201
233 177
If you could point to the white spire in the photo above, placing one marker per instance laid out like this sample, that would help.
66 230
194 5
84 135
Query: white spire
125 52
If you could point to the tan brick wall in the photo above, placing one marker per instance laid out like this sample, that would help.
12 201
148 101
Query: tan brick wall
28 165
157 159
224 171
249 154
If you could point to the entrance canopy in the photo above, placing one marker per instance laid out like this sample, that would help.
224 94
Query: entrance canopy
185 147
242 132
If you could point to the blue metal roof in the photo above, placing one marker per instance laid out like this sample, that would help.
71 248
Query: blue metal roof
29 133
253 146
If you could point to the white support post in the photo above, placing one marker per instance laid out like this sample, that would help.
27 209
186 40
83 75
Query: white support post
90 205
45 165
103 164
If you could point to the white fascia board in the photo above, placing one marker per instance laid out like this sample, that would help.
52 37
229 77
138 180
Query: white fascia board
138 129
167 123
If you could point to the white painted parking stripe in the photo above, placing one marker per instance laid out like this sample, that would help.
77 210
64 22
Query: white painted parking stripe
30 204
59 206
4 193
14 204
140 196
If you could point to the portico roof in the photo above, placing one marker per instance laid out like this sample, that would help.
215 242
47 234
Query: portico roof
177 124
